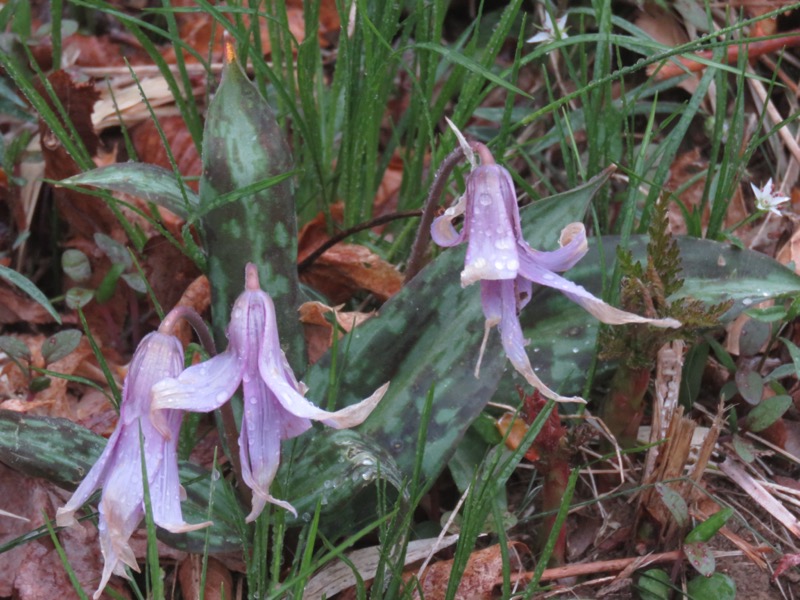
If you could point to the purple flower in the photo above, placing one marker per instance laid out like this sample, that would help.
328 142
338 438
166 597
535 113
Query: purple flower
119 469
274 406
507 267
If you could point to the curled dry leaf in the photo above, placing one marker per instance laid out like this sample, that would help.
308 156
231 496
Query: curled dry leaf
479 580
318 330
345 268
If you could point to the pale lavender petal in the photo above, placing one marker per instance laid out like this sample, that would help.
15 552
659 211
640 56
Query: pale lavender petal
121 508
514 344
260 446
157 357
574 247
165 493
492 232
442 230
65 516
593 305
200 388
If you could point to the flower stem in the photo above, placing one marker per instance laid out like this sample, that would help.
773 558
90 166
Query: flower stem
184 312
624 405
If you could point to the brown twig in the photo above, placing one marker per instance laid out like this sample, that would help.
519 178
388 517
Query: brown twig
309 260
753 49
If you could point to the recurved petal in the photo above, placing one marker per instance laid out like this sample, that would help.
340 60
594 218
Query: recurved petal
593 305
294 403
573 248
200 388
514 346
442 230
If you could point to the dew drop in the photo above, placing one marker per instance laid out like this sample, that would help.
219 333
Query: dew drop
747 301
512 265
485 199
549 277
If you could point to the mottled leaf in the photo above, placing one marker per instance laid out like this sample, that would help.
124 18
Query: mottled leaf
243 146
701 557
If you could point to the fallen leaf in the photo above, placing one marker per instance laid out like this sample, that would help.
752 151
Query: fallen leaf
479 579
150 147
318 330
218 582
33 571
345 268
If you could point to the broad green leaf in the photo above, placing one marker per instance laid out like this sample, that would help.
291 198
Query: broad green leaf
243 145
60 345
716 587
654 584
29 288
767 412
148 182
701 557
63 452
708 528
430 333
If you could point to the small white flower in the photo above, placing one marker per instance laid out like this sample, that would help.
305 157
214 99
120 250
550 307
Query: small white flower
550 31
767 199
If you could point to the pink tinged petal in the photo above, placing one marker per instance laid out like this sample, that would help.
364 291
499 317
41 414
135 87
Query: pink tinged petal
514 344
593 305
573 248
492 226
442 230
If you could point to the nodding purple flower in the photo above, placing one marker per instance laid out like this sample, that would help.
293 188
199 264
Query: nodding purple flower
274 406
119 469
507 267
